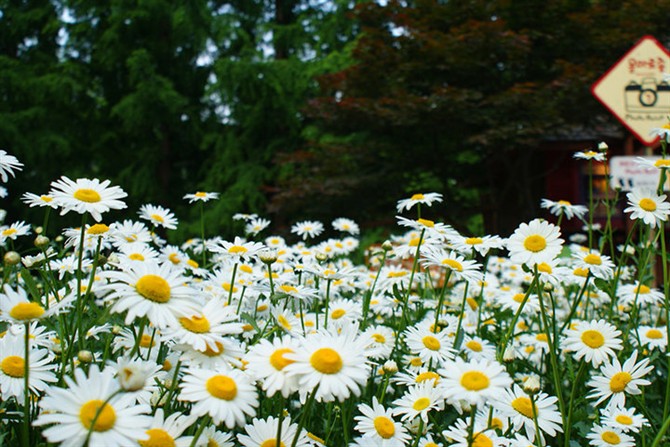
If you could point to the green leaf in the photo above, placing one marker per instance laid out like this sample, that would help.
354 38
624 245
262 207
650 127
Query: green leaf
31 285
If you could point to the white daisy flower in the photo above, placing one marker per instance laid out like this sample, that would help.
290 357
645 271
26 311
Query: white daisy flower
120 421
653 337
346 225
481 245
263 433
564 208
639 294
238 249
616 380
158 216
418 400
158 292
32 200
594 341
475 382
590 155
8 164
426 199
267 363
201 196
333 362
460 268
168 431
600 266
87 196
602 436
482 435
13 231
517 405
534 243
13 369
428 345
228 396
307 229
256 225
376 423
648 206
625 419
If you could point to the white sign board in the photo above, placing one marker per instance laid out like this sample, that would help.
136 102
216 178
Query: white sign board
635 91
627 173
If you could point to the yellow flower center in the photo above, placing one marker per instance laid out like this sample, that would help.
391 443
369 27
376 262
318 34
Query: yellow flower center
654 334
416 361
384 427
593 339
26 311
474 240
46 199
158 438
105 420
157 218
209 352
337 314
431 343
474 345
226 286
97 229
564 203
624 419
315 438
192 263
472 303
283 322
379 338
174 258
590 153
481 440
662 163
430 444
642 289
524 406
542 338
288 289
414 241
237 250
426 223
418 197
87 195
272 443
277 359
610 437
222 387
535 243
154 288
544 268
399 274
146 341
593 259
136 257
197 324
13 366
647 204
497 423
452 264
581 272
9 231
474 381
428 375
326 361
619 381
421 404
518 297
200 194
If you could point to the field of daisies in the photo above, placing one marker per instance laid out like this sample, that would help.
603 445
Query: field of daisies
111 336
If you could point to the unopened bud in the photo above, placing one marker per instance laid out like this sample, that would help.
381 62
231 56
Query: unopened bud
116 329
390 367
321 256
268 256
41 241
602 146
132 376
509 355
387 245
85 356
531 385
12 258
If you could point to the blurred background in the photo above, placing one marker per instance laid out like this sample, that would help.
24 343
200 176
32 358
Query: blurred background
315 109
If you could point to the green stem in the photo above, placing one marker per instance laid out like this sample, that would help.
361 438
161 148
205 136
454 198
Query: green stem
533 409
202 233
201 428
370 293
303 416
661 433
568 420
97 415
325 321
232 284
510 329
26 390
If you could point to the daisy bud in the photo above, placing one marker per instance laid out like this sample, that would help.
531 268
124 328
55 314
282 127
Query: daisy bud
268 256
59 238
41 241
113 258
56 348
320 256
390 367
548 287
387 246
602 146
12 258
509 355
116 329
85 356
531 385
39 230
132 376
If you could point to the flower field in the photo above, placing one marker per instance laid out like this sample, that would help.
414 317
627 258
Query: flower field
113 336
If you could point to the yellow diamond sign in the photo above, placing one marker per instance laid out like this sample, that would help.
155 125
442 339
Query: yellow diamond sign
635 91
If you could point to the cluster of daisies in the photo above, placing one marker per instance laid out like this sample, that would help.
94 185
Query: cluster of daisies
113 336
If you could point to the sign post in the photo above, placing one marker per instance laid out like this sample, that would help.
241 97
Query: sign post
635 91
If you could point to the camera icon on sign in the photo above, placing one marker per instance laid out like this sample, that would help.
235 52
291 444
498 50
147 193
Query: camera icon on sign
647 96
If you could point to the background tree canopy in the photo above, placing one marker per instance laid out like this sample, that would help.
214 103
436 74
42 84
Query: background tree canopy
297 109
